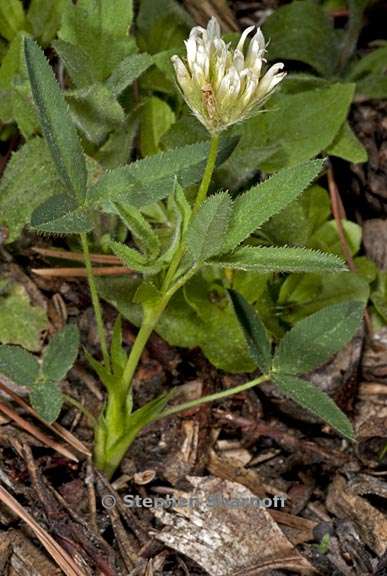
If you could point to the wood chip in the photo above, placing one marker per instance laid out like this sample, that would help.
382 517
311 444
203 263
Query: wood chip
346 504
227 540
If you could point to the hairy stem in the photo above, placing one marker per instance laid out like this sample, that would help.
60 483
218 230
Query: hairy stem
95 300
206 180
216 396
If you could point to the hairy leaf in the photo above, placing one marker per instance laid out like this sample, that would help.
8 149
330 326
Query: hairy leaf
46 398
59 215
61 353
18 365
208 227
314 340
56 123
133 259
254 331
258 204
281 259
146 181
141 230
311 398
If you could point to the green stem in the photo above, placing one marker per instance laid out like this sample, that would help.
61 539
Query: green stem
206 180
216 396
152 316
95 300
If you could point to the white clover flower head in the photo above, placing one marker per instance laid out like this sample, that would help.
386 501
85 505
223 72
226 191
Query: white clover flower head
224 86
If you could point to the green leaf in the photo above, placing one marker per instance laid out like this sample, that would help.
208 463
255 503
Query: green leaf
156 119
311 398
76 62
127 72
18 365
327 237
373 63
142 232
200 315
46 398
12 18
29 179
95 112
346 145
303 124
61 353
280 259
261 202
16 104
314 43
45 17
303 294
100 28
372 87
134 259
254 331
208 227
56 123
20 322
146 181
59 215
315 339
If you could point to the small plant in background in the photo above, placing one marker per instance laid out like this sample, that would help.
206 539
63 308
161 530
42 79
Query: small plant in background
209 233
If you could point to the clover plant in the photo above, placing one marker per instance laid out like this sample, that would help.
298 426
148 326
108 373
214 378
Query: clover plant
210 231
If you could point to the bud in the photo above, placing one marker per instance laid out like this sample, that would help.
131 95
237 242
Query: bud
224 86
